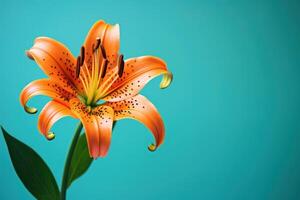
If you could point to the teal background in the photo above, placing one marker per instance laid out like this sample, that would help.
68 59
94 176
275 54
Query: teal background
232 114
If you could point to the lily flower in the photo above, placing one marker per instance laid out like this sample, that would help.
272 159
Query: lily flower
98 87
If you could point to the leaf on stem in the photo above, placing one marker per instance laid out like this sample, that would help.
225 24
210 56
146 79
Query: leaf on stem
31 169
81 160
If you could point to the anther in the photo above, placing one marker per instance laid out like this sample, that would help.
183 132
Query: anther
78 66
103 51
82 52
120 65
98 42
104 68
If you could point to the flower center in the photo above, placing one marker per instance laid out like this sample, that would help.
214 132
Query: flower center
95 80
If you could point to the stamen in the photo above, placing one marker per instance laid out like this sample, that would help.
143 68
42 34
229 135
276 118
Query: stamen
106 84
104 68
103 51
78 66
82 50
85 77
120 65
101 64
98 42
84 84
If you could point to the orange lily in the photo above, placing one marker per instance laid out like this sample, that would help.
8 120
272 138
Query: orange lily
97 88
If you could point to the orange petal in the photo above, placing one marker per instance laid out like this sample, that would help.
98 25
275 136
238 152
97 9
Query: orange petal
45 87
97 124
52 112
110 39
56 61
142 110
137 73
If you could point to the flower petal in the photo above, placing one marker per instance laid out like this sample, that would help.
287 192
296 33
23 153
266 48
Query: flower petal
110 39
97 124
142 110
137 73
45 87
56 61
51 113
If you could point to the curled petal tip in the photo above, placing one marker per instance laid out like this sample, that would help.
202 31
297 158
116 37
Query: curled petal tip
30 110
50 136
166 80
94 155
152 147
29 55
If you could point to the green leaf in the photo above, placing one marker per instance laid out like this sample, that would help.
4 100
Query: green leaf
81 160
31 169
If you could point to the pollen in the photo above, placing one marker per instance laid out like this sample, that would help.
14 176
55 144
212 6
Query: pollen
120 65
78 65
98 42
104 68
82 53
103 51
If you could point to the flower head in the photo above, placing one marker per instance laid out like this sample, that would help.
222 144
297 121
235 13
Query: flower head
98 87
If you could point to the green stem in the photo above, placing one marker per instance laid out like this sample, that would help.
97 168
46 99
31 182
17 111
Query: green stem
64 183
